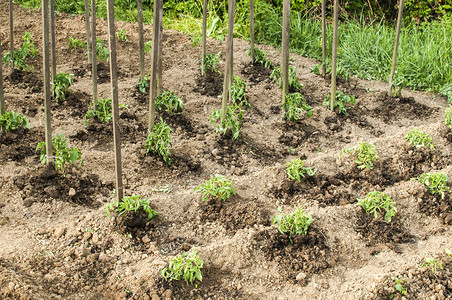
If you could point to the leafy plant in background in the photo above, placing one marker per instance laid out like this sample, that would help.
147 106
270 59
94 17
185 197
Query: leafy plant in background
11 120
260 57
169 101
143 83
218 187
418 138
433 264
295 106
131 204
28 49
378 204
159 141
186 266
343 102
448 117
233 120
400 288
446 91
365 154
122 35
296 170
210 62
61 85
62 154
435 182
102 111
103 54
293 82
238 92
297 222
75 44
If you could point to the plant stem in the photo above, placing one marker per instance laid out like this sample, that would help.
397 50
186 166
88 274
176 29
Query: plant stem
88 42
45 56
285 50
334 59
141 37
94 52
396 46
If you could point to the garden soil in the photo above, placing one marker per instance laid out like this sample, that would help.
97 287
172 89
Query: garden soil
57 242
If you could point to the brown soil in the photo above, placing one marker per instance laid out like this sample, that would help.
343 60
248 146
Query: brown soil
58 243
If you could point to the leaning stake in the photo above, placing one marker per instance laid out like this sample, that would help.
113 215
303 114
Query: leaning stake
334 60
204 34
88 42
396 46
45 56
141 37
94 51
52 38
11 35
285 50
153 79
115 104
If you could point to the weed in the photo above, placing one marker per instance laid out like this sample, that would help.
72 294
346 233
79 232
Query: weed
75 44
399 286
131 204
365 153
210 62
260 57
343 102
449 252
295 106
448 117
61 153
170 102
103 54
195 39
103 111
163 189
148 47
143 83
10 121
435 182
233 120
218 187
186 266
433 264
238 92
293 82
296 170
446 91
159 141
61 85
28 49
418 138
376 203
122 35
295 223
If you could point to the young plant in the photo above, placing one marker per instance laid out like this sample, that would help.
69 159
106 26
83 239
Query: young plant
102 112
61 85
143 83
102 50
276 75
378 203
260 57
418 138
435 182
61 153
210 62
342 103
399 286
75 44
186 266
218 187
433 264
296 170
28 49
169 101
10 121
148 47
448 117
297 222
365 153
159 141
295 106
233 120
131 204
122 35
238 92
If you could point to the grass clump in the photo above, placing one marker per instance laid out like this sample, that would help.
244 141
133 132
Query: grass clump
62 154
122 35
159 141
435 182
342 103
418 138
448 117
433 264
169 101
11 121
186 266
131 204
28 49
61 85
102 111
293 82
260 57
75 44
297 222
103 54
238 92
365 153
379 204
218 187
295 106
296 170
210 63
233 120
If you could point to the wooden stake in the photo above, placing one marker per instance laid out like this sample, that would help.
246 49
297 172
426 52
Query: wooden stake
334 61
88 40
229 57
231 49
160 63
115 103
204 34
2 101
45 56
396 46
285 50
141 37
323 38
11 35
52 39
252 29
153 79
94 52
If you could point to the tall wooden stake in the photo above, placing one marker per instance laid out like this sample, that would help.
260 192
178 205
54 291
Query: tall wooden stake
252 29
88 40
94 51
11 35
228 65
160 63
45 56
285 50
231 50
396 46
153 79
204 34
323 38
141 37
115 104
334 61
2 101
52 38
